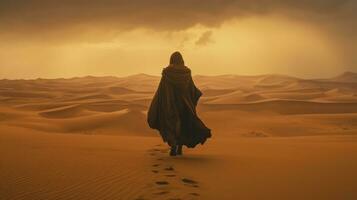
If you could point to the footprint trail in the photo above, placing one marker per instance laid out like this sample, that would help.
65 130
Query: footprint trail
168 182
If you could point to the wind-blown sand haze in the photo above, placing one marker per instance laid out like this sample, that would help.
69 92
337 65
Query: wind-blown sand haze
274 137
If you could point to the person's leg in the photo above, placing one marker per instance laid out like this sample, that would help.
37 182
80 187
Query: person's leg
173 149
179 149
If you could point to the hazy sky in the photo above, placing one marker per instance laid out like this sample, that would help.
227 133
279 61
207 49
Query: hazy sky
49 38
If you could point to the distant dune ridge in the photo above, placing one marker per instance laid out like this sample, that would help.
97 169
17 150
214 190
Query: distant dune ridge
274 137
59 105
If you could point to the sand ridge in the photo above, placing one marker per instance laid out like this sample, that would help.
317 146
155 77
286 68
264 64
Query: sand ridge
63 103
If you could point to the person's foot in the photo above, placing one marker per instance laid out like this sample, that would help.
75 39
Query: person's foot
179 150
173 151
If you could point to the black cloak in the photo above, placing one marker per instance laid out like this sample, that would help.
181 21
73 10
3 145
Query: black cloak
173 109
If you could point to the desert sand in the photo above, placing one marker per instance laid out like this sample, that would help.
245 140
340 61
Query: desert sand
274 137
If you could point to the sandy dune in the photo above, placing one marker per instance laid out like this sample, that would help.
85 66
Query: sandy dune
274 137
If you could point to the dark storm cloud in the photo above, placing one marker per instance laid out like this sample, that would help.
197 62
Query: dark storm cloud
51 15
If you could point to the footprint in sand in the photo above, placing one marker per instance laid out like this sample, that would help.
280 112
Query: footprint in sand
162 182
169 169
161 193
190 182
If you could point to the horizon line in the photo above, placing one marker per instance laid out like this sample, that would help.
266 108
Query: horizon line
146 74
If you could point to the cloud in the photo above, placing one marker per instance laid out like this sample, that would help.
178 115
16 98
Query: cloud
204 39
32 31
48 16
